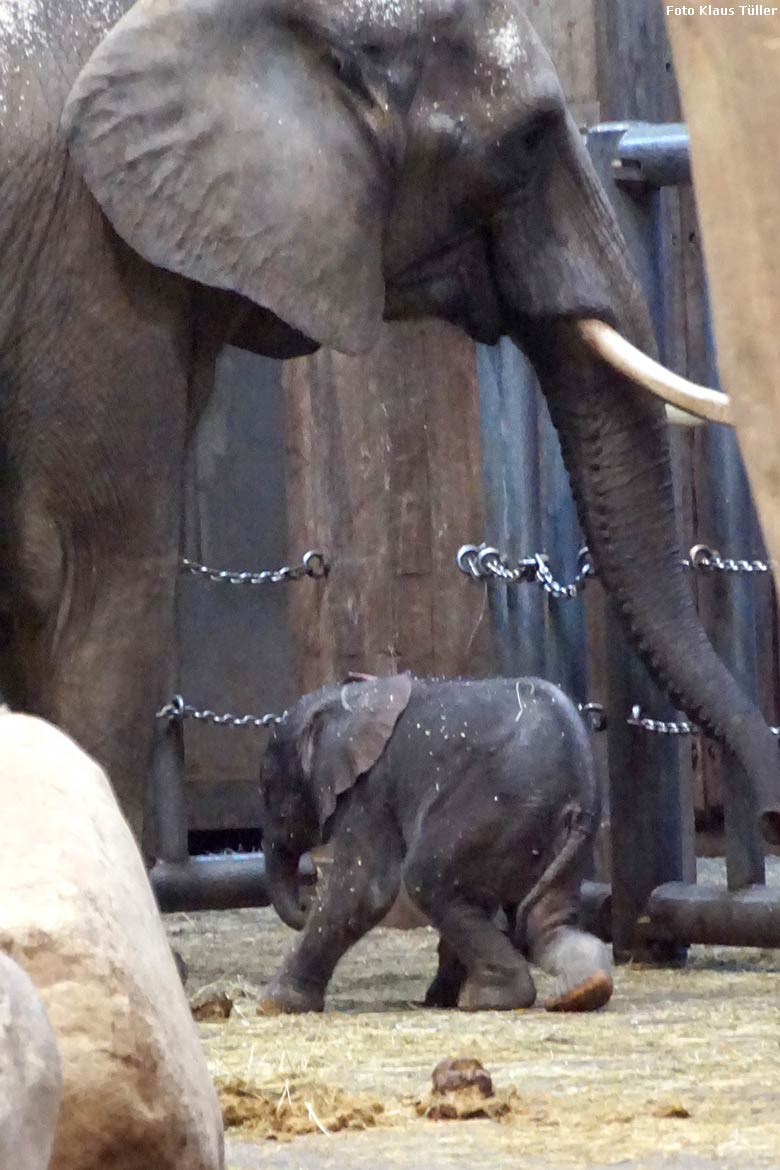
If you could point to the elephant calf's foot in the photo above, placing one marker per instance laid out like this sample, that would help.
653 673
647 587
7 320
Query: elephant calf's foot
442 993
284 998
582 969
589 996
491 991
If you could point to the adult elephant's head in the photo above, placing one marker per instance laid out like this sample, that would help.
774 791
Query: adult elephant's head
336 160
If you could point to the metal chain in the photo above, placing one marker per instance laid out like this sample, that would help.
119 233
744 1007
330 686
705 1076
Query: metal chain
481 562
545 578
668 727
313 564
178 710
660 726
703 558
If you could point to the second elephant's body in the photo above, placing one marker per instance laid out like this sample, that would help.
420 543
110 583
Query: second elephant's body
472 794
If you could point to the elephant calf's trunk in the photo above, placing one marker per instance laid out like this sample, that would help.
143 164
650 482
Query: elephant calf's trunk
284 886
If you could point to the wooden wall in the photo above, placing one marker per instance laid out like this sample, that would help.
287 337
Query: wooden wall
383 468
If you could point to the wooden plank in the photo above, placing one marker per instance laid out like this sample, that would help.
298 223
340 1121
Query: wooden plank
734 66
383 468
730 64
460 623
234 645
568 30
634 63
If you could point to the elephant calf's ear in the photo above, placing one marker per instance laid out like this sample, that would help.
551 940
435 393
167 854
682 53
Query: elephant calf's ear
354 733
214 136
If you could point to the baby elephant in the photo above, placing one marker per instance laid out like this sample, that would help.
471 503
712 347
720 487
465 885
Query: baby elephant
475 795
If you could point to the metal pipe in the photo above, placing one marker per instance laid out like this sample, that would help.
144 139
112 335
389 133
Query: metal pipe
708 914
168 792
231 882
596 909
656 155
728 603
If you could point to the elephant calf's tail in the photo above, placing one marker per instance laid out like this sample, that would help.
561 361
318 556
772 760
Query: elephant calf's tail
577 831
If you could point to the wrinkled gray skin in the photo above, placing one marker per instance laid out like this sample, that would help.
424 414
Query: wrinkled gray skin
280 174
474 795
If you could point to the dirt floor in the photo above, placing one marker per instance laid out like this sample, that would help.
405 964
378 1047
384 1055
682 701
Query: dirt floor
682 1070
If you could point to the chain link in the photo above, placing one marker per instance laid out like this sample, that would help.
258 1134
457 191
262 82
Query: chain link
704 559
668 727
481 562
313 564
594 715
177 711
555 589
660 726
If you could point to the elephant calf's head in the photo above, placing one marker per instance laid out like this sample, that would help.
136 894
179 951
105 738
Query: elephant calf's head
326 743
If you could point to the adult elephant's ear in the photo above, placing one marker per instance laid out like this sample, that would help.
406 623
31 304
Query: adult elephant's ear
221 143
352 733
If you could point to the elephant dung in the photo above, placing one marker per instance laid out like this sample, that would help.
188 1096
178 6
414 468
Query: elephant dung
77 911
462 1072
30 1082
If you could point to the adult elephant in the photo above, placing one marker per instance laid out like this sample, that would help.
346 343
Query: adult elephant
280 174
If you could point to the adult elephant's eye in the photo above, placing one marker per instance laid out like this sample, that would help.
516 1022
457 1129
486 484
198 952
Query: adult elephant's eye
534 133
349 73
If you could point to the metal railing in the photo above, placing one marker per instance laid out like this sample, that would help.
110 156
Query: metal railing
212 881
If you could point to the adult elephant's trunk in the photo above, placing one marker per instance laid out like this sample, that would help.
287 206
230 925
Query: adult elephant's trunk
615 445
284 886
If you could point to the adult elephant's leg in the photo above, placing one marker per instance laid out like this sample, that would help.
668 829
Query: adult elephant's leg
96 429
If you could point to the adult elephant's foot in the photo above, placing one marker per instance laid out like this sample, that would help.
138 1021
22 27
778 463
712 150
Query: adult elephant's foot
587 996
282 997
492 991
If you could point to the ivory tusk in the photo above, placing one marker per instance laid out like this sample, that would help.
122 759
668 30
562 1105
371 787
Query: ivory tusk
624 357
682 418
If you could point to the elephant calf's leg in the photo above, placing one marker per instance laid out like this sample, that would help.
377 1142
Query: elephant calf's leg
448 981
497 976
580 962
355 898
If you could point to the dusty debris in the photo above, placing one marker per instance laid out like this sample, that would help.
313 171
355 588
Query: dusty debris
673 1110
295 1109
216 1006
217 1001
466 1104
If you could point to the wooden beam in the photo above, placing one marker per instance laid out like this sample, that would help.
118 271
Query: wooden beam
729 73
